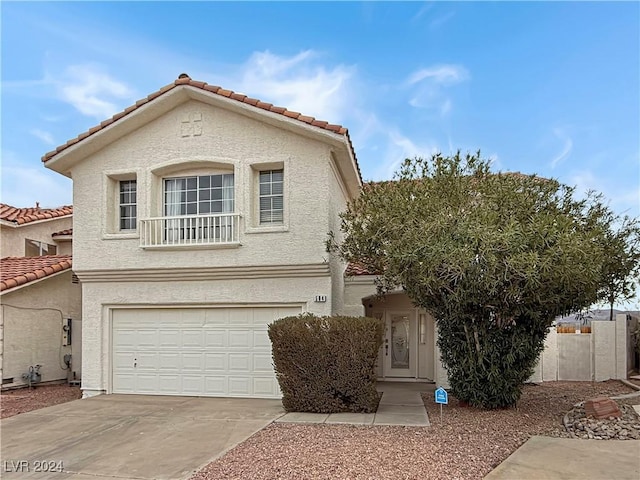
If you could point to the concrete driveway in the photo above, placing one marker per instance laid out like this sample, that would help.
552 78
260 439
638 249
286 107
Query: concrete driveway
128 436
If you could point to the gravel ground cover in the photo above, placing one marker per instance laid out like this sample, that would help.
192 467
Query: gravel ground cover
468 443
13 402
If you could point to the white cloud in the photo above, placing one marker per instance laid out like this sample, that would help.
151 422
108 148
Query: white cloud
298 83
46 137
440 74
566 149
398 148
23 184
92 91
429 87
624 200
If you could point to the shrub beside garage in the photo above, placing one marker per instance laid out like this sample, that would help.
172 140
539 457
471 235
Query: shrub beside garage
327 364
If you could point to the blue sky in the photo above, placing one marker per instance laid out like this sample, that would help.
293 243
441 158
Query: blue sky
547 88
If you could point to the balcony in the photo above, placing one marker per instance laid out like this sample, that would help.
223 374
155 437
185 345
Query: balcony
221 230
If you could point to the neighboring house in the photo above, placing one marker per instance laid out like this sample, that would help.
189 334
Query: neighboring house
201 216
40 298
30 232
39 319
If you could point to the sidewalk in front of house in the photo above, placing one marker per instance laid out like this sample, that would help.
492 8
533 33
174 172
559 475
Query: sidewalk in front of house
542 458
401 405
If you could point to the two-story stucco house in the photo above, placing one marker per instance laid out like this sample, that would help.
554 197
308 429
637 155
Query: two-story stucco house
201 216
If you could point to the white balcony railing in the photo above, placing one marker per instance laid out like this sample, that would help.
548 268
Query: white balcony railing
186 230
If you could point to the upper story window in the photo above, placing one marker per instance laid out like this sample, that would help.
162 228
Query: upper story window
271 199
34 248
199 195
128 205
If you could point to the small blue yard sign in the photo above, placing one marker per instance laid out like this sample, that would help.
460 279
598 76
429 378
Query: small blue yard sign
442 396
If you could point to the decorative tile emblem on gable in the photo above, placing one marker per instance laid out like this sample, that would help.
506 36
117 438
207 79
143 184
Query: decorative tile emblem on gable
192 124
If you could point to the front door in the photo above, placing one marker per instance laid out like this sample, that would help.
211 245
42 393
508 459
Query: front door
398 352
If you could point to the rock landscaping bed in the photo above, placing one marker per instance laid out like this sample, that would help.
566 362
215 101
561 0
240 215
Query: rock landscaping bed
626 427
13 402
468 443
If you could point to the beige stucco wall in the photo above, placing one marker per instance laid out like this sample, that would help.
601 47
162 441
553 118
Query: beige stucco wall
12 238
228 140
604 343
247 292
64 246
355 289
337 198
32 336
574 357
596 356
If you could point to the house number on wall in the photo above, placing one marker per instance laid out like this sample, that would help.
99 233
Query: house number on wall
191 124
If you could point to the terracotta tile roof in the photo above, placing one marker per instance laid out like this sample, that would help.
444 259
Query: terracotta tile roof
16 271
355 269
20 216
184 79
68 231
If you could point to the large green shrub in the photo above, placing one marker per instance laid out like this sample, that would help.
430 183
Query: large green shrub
494 257
327 364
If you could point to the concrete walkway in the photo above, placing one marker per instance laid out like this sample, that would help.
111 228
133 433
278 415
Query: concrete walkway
542 458
400 405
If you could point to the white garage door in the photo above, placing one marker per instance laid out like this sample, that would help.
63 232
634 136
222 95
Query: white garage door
195 351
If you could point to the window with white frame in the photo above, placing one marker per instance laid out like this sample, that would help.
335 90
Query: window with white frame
34 248
271 198
206 202
128 209
201 195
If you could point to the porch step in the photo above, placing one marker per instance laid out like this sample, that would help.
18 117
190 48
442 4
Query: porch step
400 405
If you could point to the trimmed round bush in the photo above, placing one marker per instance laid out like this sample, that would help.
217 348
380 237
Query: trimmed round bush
327 364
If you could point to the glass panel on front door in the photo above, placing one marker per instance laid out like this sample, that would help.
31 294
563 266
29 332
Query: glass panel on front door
399 341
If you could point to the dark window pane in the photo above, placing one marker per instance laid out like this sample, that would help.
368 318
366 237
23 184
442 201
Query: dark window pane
265 189
265 203
276 176
192 208
205 194
31 248
205 207
192 196
276 188
205 181
216 194
192 183
216 180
